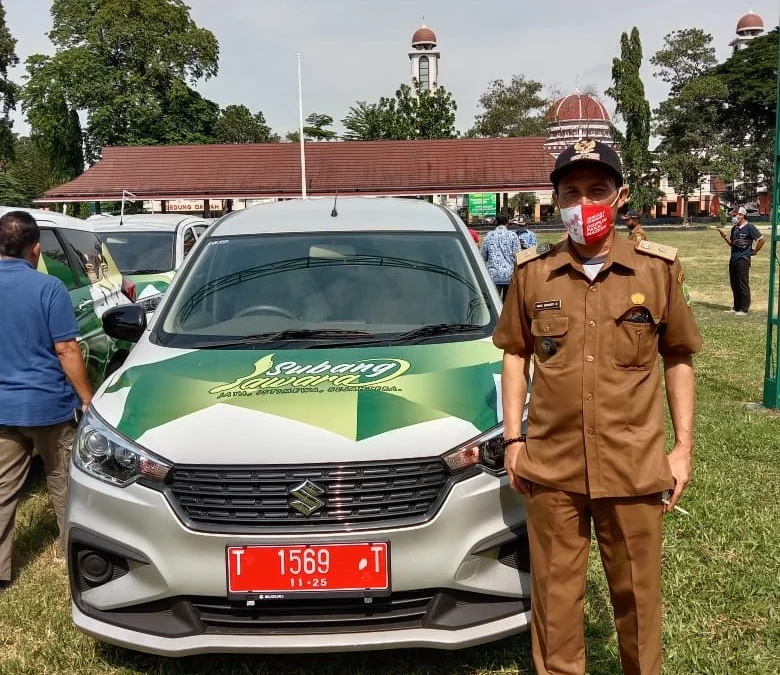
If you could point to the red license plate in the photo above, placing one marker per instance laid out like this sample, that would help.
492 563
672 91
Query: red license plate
326 568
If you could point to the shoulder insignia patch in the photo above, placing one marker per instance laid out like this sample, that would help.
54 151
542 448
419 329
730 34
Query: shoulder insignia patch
658 250
530 254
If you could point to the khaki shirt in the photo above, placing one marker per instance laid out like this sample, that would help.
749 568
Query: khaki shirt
637 234
596 417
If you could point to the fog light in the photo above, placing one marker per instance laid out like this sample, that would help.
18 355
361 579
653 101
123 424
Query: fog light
95 567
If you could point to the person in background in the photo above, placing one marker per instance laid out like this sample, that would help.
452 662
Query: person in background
635 231
474 235
499 250
741 239
526 237
40 366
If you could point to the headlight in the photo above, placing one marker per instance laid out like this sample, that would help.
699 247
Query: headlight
101 452
484 450
151 302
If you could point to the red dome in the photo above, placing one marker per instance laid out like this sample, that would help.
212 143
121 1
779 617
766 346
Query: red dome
577 107
750 21
424 35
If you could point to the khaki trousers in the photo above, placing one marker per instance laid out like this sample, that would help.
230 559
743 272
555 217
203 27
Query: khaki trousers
16 449
628 530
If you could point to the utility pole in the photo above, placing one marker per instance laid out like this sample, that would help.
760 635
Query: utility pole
771 385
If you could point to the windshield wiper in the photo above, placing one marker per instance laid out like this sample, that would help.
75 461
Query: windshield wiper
437 329
289 334
143 271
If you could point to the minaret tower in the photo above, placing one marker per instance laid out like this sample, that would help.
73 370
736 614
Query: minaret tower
425 58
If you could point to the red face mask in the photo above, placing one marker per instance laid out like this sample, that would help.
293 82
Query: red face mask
588 223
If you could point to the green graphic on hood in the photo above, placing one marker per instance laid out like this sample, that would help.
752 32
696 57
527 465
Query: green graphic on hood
156 283
356 393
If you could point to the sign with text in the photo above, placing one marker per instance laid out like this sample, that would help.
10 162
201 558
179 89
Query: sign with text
482 204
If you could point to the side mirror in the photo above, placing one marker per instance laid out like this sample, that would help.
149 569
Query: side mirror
125 322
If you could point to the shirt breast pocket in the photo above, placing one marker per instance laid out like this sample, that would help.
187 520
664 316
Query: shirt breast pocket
550 340
635 344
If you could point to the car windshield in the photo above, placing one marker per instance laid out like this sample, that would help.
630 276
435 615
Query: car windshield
140 252
318 289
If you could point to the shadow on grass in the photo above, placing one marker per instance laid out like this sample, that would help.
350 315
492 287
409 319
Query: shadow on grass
31 541
511 655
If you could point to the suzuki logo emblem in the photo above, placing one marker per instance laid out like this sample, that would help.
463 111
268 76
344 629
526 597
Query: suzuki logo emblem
308 500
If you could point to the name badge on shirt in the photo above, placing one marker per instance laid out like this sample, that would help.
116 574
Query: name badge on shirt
547 304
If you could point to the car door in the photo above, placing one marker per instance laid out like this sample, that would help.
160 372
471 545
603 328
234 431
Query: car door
56 262
98 288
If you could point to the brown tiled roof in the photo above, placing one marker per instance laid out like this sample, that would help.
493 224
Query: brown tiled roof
455 166
575 107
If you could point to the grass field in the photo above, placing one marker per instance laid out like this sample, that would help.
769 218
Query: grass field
721 564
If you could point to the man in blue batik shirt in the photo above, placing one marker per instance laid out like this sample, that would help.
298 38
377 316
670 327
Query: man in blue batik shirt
499 249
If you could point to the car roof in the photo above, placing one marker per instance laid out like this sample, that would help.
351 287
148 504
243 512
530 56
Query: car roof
146 222
52 218
355 214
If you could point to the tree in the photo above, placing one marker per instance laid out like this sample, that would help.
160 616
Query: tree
747 115
514 109
687 121
53 120
31 168
628 92
686 55
368 122
523 202
315 128
126 66
8 89
412 114
236 124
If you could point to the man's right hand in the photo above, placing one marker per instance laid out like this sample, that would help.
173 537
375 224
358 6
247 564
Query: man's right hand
516 482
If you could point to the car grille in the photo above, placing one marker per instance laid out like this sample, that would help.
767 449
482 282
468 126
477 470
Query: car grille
400 610
332 497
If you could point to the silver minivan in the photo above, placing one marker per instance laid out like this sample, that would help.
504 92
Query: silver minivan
303 450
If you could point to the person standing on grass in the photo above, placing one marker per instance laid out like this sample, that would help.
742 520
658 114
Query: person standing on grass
741 239
40 365
594 312
527 237
635 231
499 249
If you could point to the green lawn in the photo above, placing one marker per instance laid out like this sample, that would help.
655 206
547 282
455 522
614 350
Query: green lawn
721 564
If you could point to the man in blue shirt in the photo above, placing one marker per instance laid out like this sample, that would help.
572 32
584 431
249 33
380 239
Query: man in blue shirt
499 249
741 239
40 366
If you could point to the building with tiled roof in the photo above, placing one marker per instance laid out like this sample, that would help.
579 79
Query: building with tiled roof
574 117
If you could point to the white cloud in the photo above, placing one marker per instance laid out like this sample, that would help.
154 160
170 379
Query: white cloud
357 49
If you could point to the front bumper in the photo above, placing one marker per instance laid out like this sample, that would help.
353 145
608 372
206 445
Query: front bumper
458 580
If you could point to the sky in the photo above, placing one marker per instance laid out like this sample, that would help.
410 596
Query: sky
356 50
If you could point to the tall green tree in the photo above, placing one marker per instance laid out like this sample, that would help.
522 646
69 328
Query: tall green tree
686 55
236 124
628 92
516 108
747 115
687 121
8 90
31 168
412 114
126 67
316 128
53 119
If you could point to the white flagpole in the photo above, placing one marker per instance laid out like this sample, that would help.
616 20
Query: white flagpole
300 131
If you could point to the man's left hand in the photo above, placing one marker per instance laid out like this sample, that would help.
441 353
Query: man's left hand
680 459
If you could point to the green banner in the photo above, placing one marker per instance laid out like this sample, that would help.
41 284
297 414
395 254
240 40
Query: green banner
482 204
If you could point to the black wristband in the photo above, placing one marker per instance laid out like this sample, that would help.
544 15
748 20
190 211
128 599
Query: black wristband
505 443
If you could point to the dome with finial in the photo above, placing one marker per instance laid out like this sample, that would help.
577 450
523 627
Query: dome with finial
424 37
750 22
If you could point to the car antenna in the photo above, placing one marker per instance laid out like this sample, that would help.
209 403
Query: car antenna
334 213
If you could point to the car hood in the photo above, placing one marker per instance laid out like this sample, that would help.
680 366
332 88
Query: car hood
147 285
296 406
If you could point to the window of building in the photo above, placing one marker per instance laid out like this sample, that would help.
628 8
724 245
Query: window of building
425 74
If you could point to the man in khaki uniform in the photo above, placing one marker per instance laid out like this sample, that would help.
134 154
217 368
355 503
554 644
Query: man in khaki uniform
595 311
635 231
